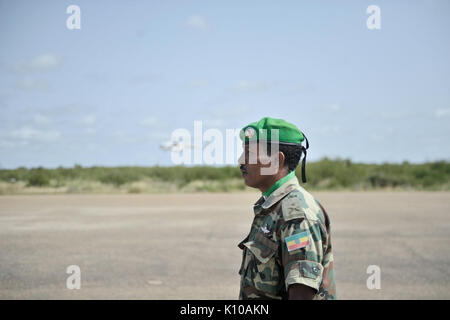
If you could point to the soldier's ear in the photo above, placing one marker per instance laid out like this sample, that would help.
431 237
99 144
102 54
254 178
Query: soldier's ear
281 159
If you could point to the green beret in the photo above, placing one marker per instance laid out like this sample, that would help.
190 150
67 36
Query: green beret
288 133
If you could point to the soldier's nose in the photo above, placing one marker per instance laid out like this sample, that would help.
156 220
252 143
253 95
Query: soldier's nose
241 160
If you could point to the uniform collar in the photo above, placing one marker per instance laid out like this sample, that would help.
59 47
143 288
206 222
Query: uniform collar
278 184
275 196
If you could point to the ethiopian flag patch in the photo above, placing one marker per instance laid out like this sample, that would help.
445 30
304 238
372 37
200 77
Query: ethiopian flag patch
297 241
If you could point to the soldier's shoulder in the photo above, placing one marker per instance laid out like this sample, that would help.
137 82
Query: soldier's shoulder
299 204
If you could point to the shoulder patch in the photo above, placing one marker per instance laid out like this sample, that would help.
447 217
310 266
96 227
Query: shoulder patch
297 241
297 205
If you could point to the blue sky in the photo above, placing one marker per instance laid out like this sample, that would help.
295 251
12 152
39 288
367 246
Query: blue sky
113 91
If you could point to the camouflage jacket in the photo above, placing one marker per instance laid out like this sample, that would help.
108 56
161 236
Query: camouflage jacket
289 242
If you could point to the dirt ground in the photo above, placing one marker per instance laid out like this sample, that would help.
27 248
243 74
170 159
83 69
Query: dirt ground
184 246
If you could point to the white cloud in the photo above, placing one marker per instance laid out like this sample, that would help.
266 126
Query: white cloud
231 111
442 112
157 135
306 87
214 123
123 137
44 62
6 144
40 119
327 130
376 137
335 107
88 120
244 85
30 84
195 84
31 134
197 22
148 122
147 78
90 131
394 114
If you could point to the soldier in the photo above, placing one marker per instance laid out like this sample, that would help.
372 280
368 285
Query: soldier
287 254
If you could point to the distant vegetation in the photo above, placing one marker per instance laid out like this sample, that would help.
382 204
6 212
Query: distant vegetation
322 175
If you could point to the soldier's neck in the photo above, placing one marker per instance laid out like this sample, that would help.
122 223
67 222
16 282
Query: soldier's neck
273 179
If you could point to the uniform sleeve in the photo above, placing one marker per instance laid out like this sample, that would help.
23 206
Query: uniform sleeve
302 252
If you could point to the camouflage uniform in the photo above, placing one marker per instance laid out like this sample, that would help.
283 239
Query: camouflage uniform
268 267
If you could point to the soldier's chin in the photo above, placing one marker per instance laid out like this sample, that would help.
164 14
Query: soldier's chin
248 182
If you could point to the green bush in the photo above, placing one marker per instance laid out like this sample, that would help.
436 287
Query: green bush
118 178
38 179
325 174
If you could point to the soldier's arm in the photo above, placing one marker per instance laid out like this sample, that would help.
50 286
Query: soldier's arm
302 250
301 292
302 265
